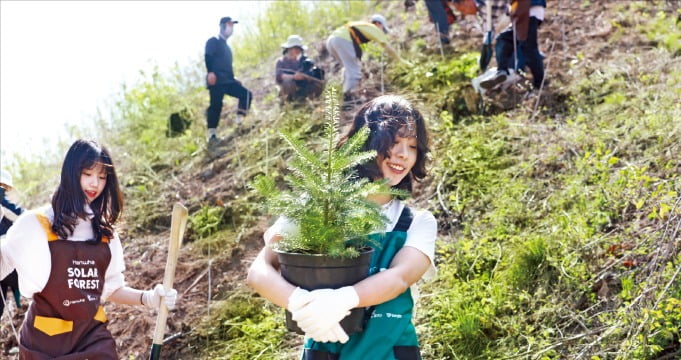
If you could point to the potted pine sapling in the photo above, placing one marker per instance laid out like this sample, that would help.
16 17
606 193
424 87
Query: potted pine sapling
327 202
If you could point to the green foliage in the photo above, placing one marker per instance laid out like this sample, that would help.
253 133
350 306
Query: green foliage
35 178
534 211
435 76
327 201
135 132
207 228
665 325
206 221
531 266
665 30
443 81
241 326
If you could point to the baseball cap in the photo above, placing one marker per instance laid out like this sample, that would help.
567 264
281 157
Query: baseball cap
227 19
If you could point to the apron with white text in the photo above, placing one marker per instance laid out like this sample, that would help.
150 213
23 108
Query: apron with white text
66 320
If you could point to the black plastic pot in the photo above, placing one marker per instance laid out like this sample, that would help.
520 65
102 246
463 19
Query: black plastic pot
314 271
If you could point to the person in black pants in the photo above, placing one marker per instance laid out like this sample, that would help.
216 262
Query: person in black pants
528 18
220 81
441 15
8 213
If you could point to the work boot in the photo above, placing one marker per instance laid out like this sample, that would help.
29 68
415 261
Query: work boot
498 78
217 147
510 80
491 72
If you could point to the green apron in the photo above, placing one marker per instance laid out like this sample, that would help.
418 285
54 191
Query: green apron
388 333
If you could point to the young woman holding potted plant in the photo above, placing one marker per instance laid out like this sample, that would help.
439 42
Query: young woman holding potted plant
402 255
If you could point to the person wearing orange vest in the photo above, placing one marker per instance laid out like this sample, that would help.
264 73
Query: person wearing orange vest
345 44
70 261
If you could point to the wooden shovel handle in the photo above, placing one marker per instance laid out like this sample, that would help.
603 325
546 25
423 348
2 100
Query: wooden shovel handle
177 227
488 6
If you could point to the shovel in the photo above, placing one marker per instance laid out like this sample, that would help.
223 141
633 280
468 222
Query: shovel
486 52
177 226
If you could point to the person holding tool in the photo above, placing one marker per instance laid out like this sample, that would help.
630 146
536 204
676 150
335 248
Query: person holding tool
517 46
295 74
402 255
70 261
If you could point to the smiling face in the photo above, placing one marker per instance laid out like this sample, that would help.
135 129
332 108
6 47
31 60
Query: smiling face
400 160
93 181
398 134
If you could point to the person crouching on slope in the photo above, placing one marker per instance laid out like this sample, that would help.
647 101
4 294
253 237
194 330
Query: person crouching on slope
405 254
70 261
291 72
345 42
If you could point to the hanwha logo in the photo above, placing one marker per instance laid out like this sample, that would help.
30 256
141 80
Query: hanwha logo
66 303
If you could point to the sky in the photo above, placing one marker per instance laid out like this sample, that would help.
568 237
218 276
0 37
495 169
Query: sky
60 60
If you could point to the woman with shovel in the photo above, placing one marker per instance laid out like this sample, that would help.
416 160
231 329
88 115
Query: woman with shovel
70 260
399 135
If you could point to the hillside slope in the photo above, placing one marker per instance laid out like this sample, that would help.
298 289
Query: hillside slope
558 218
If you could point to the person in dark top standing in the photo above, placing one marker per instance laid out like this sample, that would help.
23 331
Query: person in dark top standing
9 212
220 81
295 73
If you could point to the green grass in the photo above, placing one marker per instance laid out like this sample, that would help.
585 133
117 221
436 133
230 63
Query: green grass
536 211
240 317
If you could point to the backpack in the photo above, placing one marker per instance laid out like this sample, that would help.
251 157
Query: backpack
178 123
309 68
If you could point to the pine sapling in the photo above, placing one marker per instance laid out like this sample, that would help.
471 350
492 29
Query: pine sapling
326 199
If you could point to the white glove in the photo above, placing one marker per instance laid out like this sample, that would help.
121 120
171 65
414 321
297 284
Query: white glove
301 297
327 308
298 298
152 298
335 334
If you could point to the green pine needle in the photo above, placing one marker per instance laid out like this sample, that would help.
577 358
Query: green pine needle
325 198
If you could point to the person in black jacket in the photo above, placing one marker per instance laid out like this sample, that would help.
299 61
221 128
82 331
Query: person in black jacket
9 211
220 81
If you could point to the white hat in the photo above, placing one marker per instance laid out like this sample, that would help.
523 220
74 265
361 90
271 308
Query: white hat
380 19
293 41
6 178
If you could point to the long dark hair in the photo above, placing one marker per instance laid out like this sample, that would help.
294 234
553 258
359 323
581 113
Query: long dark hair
69 201
387 117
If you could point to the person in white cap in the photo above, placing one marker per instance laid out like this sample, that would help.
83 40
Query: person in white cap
9 211
295 74
345 42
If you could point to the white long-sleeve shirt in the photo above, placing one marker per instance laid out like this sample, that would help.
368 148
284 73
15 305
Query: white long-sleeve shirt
26 249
